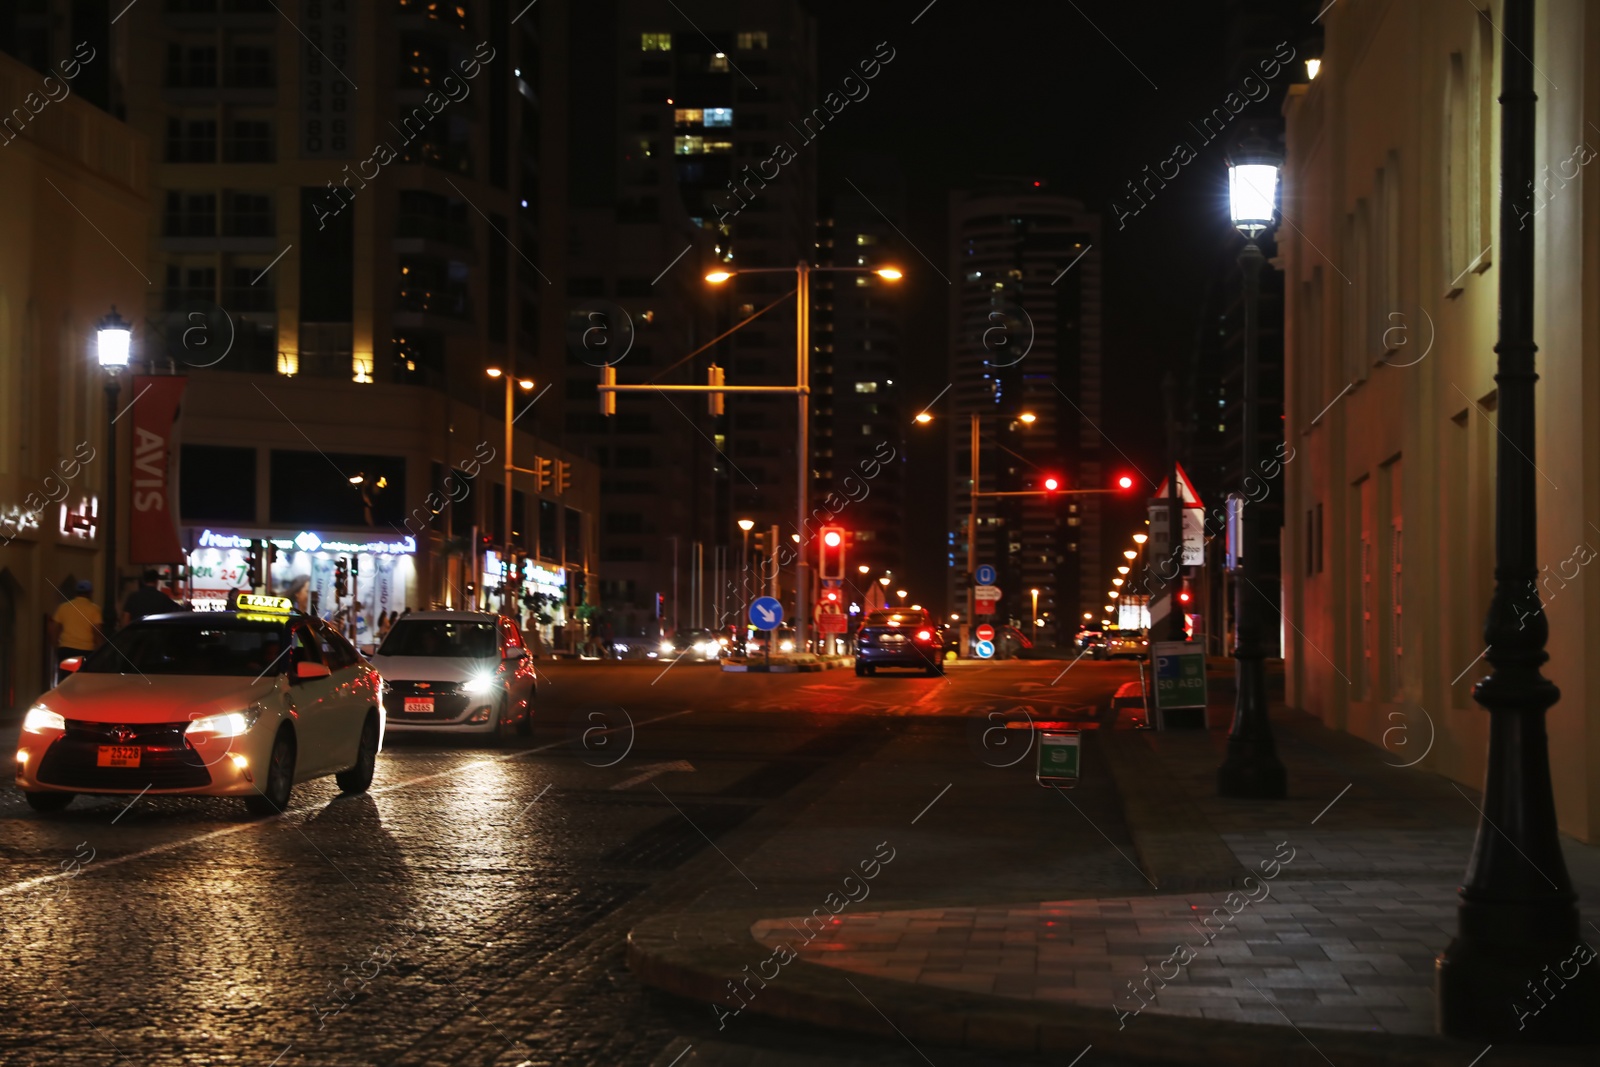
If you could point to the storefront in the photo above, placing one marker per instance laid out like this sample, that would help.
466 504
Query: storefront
545 597
382 574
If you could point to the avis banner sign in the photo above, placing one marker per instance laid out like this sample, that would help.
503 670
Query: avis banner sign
152 522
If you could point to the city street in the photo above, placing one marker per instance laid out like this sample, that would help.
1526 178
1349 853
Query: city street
473 907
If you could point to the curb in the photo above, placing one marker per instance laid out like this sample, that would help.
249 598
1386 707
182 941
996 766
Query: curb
706 956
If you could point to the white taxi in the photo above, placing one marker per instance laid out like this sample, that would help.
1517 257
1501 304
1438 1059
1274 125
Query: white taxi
240 703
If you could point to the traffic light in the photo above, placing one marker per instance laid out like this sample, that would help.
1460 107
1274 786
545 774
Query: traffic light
1125 482
563 476
341 574
1051 483
715 377
541 472
830 556
252 565
831 596
355 571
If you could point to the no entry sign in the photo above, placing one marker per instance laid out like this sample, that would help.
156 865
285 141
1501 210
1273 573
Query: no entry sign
985 632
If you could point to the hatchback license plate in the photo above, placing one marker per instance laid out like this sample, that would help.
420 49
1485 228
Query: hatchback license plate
118 756
422 705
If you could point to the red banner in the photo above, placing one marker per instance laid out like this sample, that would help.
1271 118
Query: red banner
153 470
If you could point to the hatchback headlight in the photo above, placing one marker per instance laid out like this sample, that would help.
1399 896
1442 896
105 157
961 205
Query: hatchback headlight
228 724
484 683
666 646
40 718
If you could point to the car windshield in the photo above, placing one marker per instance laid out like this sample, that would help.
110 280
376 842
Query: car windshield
895 618
215 647
441 637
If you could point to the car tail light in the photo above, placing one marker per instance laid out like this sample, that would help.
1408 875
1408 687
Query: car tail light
924 635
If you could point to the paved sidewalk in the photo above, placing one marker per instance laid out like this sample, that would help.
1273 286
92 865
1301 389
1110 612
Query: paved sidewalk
1301 930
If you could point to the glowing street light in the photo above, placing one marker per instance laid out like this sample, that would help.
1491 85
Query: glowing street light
1129 554
1140 538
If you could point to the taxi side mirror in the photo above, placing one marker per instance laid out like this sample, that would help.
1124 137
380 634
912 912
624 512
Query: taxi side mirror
71 663
306 671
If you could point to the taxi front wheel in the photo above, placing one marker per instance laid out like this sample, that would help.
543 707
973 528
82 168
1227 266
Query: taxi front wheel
280 779
48 801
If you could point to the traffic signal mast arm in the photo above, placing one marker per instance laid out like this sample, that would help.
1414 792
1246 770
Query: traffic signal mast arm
1048 492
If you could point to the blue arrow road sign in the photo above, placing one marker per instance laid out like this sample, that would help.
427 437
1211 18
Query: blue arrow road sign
765 613
985 649
985 574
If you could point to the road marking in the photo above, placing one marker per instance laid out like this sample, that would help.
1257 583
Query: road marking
652 771
227 831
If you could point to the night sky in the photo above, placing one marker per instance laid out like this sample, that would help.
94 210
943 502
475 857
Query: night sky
1010 87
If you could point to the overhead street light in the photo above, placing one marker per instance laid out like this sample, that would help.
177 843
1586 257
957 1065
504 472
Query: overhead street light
114 343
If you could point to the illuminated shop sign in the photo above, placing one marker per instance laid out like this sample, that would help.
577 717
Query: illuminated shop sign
551 581
306 541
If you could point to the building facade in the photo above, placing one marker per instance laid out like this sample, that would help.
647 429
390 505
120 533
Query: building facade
72 242
1025 334
691 151
1390 327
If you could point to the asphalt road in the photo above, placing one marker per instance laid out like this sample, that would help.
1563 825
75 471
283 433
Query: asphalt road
473 907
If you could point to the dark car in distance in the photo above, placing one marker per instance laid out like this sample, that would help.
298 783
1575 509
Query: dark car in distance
903 638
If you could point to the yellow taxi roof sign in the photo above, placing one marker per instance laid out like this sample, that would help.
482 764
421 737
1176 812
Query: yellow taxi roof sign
271 605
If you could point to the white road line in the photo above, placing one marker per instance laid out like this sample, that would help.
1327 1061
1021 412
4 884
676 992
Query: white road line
31 883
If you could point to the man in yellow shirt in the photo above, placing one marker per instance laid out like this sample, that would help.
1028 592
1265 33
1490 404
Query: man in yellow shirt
76 626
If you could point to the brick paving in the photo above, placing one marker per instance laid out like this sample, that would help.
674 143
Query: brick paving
1342 936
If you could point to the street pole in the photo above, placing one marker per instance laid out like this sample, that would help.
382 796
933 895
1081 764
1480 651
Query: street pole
699 583
1251 768
505 558
802 311
1169 390
1517 919
972 543
674 585
113 386
772 563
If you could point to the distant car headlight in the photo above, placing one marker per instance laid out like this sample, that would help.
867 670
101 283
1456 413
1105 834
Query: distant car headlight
40 718
479 686
228 724
787 646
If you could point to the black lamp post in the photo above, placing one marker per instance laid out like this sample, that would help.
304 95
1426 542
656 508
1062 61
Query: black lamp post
113 340
1251 768
1504 976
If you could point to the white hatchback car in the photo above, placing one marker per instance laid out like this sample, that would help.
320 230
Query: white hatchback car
456 672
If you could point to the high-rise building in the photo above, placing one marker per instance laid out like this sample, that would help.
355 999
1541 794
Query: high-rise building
691 150
356 215
1025 341
859 380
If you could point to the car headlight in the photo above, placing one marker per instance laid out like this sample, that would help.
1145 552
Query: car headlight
484 683
228 724
666 646
40 718
787 646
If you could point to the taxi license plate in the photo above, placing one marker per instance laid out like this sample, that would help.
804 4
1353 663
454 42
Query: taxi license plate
118 756
423 705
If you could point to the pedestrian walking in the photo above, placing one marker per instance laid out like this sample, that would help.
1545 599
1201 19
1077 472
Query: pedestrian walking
148 599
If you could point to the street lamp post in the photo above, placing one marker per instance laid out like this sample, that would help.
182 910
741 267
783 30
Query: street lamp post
745 526
510 468
1035 616
1517 919
113 338
1251 768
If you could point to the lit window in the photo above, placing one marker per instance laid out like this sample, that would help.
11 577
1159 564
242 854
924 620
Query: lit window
688 116
719 116
688 146
718 64
866 387
646 149
866 239
866 429
655 42
747 42
863 282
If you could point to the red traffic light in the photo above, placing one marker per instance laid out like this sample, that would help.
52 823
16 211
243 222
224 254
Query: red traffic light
1183 597
1052 484
833 595
832 538
1124 482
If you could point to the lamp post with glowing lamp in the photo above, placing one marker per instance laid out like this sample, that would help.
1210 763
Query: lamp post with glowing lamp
1251 768
114 340
506 558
